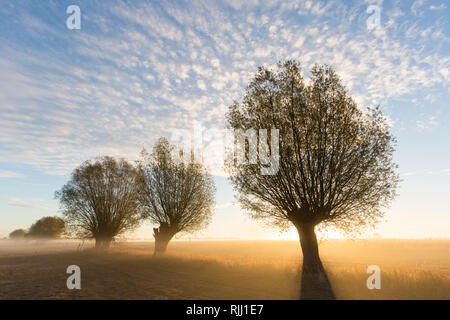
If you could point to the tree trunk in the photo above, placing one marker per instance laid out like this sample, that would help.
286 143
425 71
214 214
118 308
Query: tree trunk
162 235
98 243
107 243
315 284
102 243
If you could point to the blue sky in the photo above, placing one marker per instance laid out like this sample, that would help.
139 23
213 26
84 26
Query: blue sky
137 70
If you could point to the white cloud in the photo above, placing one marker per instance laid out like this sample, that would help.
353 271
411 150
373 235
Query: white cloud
201 84
25 203
439 7
10 174
225 205
152 68
427 123
416 6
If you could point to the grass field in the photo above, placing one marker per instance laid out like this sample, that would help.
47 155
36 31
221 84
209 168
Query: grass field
410 269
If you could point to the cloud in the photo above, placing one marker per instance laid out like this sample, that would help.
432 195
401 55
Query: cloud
143 70
25 203
225 205
201 85
439 7
427 172
416 5
407 174
427 123
10 174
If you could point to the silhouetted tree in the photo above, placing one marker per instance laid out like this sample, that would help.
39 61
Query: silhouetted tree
46 228
177 196
17 234
336 166
100 200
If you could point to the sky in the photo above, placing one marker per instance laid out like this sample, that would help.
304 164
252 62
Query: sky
138 70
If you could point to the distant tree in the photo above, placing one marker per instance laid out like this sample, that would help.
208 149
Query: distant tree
17 234
46 228
336 166
100 200
177 196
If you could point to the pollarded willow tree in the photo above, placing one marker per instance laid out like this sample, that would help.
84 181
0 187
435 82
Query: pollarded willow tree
176 195
100 200
335 160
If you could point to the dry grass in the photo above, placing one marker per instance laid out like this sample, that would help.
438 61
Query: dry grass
411 269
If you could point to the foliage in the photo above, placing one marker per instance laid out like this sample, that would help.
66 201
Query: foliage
100 200
47 228
17 234
336 165
172 193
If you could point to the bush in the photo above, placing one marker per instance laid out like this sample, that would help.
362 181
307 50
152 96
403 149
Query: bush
17 234
47 228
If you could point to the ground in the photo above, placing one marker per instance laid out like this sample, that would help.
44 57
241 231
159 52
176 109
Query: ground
410 269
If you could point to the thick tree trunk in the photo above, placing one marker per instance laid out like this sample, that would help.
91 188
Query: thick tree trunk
315 284
102 243
98 243
107 243
162 236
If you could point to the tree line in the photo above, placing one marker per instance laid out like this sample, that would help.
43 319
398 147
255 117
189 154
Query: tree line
44 228
108 197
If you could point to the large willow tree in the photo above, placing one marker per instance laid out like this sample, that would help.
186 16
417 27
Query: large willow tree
100 200
336 166
176 195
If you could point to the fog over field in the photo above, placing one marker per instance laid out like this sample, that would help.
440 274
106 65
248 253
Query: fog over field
410 269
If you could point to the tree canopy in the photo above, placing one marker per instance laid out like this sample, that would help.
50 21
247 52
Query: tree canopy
46 228
336 162
100 200
175 195
17 234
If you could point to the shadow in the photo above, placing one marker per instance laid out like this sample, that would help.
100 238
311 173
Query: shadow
316 286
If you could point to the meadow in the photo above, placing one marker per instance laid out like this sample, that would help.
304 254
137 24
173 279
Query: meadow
410 269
